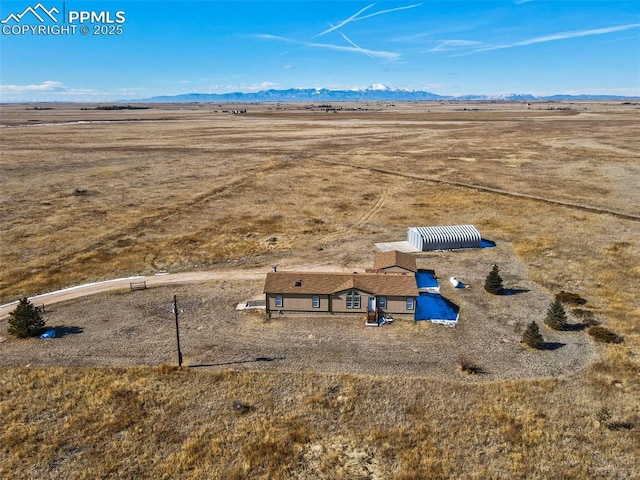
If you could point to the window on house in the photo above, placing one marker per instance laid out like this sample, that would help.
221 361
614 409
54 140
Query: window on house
278 301
353 299
409 303
315 301
382 302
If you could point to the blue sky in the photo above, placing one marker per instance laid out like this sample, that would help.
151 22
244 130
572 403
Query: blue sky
446 47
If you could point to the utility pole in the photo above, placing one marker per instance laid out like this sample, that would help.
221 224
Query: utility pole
175 311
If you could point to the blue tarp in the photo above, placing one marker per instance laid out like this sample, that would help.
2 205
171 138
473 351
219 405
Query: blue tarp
433 306
426 279
484 243
49 333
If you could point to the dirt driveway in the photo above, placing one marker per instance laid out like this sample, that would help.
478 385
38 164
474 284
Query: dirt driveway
85 290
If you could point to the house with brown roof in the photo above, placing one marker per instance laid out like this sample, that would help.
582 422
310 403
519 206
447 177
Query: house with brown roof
393 288
368 293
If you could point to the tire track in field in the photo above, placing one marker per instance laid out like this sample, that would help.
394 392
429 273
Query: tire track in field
375 209
368 215
157 219
480 188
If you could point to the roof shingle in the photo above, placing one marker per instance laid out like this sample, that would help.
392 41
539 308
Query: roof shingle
394 258
320 283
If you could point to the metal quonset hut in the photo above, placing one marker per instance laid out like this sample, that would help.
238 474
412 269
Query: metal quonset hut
444 238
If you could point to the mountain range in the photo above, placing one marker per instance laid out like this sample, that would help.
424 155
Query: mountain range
375 92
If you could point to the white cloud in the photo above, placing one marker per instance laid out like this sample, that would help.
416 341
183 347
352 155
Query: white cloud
51 90
257 87
232 88
267 36
448 45
45 87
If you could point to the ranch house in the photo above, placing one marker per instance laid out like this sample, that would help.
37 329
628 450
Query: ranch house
363 293
388 289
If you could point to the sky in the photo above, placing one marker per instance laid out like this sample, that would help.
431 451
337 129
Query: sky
125 50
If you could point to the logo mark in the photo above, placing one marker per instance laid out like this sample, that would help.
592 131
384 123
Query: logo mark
39 11
37 20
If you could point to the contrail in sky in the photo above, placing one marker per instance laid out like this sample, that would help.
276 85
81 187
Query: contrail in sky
355 17
559 36
357 46
354 47
389 11
391 56
344 22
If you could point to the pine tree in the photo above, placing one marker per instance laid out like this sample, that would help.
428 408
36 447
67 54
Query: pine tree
493 282
556 316
26 320
532 337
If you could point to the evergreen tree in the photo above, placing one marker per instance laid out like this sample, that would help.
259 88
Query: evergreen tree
532 337
493 282
556 316
26 320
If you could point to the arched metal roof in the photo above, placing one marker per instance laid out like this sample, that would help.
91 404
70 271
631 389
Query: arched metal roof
447 237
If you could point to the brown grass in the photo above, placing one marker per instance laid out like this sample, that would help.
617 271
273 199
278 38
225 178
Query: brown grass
157 424
198 189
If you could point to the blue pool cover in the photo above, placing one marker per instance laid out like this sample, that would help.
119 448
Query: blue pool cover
426 279
433 306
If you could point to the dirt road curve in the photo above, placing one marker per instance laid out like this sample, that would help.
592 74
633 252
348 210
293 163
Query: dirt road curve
121 283
153 281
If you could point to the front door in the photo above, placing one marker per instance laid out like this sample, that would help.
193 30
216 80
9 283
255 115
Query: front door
371 305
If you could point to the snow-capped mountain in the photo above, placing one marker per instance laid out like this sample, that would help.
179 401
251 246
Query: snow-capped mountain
375 92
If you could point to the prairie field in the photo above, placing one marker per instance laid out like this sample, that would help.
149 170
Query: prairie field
90 195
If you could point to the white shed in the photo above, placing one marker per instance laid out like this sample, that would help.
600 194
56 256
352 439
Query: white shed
444 237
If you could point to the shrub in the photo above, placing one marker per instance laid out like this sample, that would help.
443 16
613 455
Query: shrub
604 335
493 282
556 316
570 298
465 365
26 320
617 426
603 414
586 316
532 337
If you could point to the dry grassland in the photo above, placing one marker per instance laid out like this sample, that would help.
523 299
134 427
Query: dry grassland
162 423
183 189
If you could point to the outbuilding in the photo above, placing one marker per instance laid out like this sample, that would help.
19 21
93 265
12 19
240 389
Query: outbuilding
448 237
394 262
